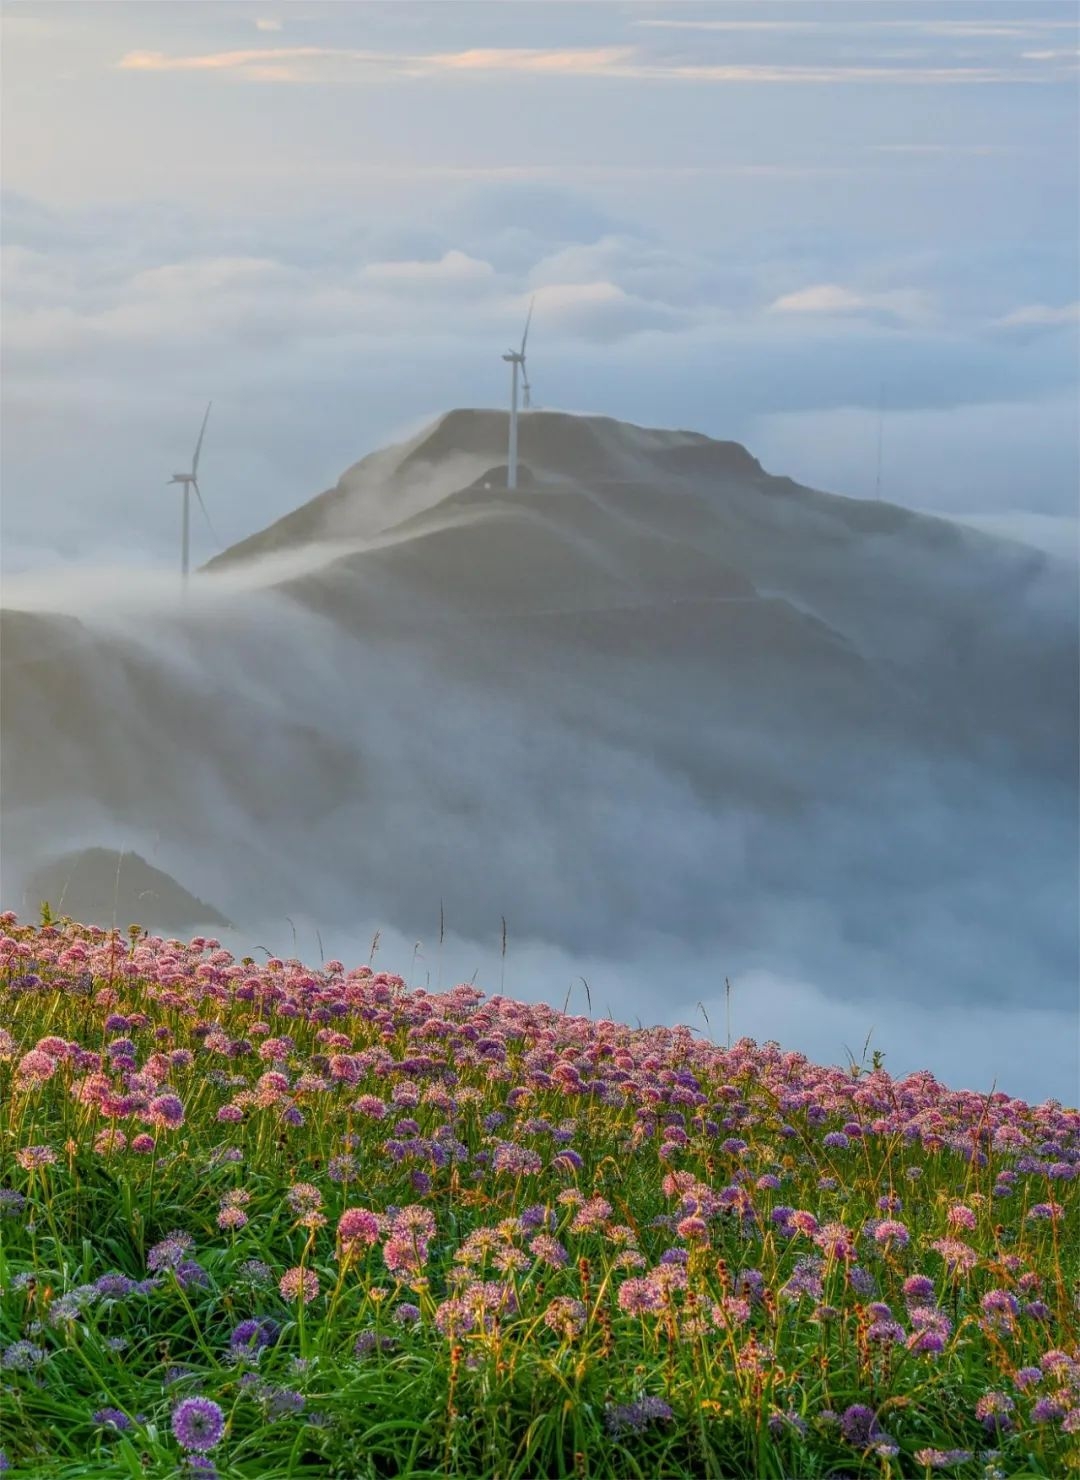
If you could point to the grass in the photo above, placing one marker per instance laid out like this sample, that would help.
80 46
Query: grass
264 1221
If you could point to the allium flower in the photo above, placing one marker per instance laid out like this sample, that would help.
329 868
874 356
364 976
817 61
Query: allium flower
958 1256
22 1356
357 1230
111 1418
548 1250
406 1314
170 1252
891 1234
1047 1211
12 1203
1047 1410
860 1427
962 1217
299 1284
1027 1377
35 1068
30 1158
993 1410
166 1112
198 1424
943 1459
304 1198
637 1296
251 1336
565 1316
918 1289
635 1417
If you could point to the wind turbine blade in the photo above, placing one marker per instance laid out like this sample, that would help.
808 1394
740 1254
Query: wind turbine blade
528 319
206 516
198 444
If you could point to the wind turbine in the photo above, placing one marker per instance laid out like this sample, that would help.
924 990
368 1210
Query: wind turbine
188 481
514 358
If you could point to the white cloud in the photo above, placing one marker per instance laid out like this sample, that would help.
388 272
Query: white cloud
295 64
454 270
833 299
268 23
1042 315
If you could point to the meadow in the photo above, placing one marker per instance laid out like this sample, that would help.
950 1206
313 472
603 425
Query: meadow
262 1220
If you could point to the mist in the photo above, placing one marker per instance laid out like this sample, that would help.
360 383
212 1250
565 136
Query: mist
308 742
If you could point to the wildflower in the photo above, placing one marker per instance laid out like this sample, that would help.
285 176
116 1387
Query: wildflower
637 1296
357 1230
12 1203
1047 1211
251 1336
958 1256
406 1314
299 1284
166 1112
565 1316
30 1158
892 1234
634 1418
993 1410
1027 1377
170 1252
1047 1410
303 1198
548 1250
860 1428
22 1356
198 1424
35 1068
918 1288
111 1418
942 1459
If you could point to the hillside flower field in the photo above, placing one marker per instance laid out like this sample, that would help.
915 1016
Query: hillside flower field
261 1220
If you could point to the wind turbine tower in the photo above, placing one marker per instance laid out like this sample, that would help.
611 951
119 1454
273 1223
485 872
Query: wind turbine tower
189 481
514 358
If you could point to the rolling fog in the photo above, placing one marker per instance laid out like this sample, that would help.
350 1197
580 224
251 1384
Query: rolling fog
655 792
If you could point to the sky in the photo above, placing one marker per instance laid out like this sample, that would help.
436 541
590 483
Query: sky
787 224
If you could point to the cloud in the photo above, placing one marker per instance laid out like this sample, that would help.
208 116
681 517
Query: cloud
307 63
833 299
454 270
1039 315
266 23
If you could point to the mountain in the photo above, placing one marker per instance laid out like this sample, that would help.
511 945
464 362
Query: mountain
102 885
653 691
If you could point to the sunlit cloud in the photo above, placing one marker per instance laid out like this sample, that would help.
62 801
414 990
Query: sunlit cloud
832 298
308 63
1033 315
268 23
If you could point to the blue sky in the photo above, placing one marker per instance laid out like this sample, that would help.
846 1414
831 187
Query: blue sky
755 220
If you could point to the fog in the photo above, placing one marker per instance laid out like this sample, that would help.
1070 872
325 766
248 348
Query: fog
341 738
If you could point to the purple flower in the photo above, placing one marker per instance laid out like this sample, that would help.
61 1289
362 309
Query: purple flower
111 1418
860 1427
634 1417
252 1335
198 1424
1047 1410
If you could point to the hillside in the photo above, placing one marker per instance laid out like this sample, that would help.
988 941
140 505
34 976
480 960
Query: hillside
655 693
288 1220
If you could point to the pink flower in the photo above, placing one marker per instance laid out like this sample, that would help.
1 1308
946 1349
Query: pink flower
357 1230
299 1284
